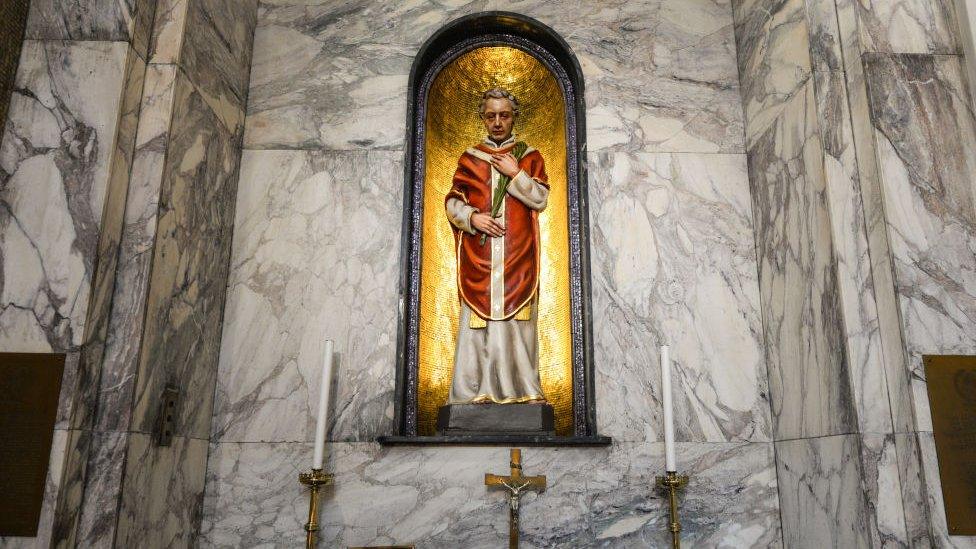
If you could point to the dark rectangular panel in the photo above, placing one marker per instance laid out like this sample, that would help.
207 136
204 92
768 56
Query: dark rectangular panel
13 21
952 398
29 388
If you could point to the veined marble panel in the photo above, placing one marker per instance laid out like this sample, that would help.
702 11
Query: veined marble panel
103 486
823 502
882 484
110 234
824 35
435 497
188 279
913 488
119 367
54 176
329 76
889 325
660 74
334 76
168 31
809 381
907 26
674 261
849 234
163 492
926 142
773 46
216 47
316 247
95 20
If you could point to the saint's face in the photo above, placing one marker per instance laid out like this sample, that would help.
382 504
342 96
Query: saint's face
498 118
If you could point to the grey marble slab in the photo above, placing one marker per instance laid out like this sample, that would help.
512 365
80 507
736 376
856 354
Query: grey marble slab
823 502
673 261
163 492
217 45
914 489
882 484
55 165
334 76
92 20
316 248
107 251
824 35
773 45
168 32
191 256
889 324
907 26
103 487
809 379
925 132
119 367
856 291
435 497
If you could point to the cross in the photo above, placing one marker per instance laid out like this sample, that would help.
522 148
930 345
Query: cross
516 484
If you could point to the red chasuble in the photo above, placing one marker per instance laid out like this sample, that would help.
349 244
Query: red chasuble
472 184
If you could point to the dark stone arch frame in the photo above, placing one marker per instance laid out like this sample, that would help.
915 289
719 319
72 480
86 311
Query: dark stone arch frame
456 38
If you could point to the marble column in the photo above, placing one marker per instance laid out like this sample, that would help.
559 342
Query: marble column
816 52
168 300
120 257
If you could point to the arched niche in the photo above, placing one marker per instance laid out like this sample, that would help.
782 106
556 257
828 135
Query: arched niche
417 389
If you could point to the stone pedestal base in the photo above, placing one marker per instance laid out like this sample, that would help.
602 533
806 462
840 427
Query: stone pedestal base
496 419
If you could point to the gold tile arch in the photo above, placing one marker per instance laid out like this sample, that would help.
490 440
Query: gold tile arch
452 125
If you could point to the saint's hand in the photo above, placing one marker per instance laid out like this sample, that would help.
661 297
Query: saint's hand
506 164
484 223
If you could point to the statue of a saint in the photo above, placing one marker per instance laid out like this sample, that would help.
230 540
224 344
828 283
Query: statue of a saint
499 188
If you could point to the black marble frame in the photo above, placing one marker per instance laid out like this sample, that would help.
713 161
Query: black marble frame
456 38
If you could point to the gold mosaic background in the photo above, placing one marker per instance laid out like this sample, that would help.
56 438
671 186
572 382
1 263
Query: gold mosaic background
13 20
452 126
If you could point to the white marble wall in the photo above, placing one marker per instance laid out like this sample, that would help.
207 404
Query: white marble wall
316 251
64 164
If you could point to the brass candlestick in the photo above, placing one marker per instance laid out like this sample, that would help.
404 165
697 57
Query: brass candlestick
314 480
671 481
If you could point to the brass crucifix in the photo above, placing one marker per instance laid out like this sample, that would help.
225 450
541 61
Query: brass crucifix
516 484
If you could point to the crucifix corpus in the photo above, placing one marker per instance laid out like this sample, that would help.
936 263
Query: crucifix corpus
516 484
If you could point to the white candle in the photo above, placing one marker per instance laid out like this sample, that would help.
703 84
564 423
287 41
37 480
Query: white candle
669 461
323 416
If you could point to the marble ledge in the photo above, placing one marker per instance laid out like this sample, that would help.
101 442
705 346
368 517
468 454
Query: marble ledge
494 440
436 496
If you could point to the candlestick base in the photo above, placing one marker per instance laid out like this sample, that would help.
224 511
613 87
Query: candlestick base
314 480
672 481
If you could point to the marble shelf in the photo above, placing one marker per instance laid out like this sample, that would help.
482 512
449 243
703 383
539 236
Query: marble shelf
503 440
